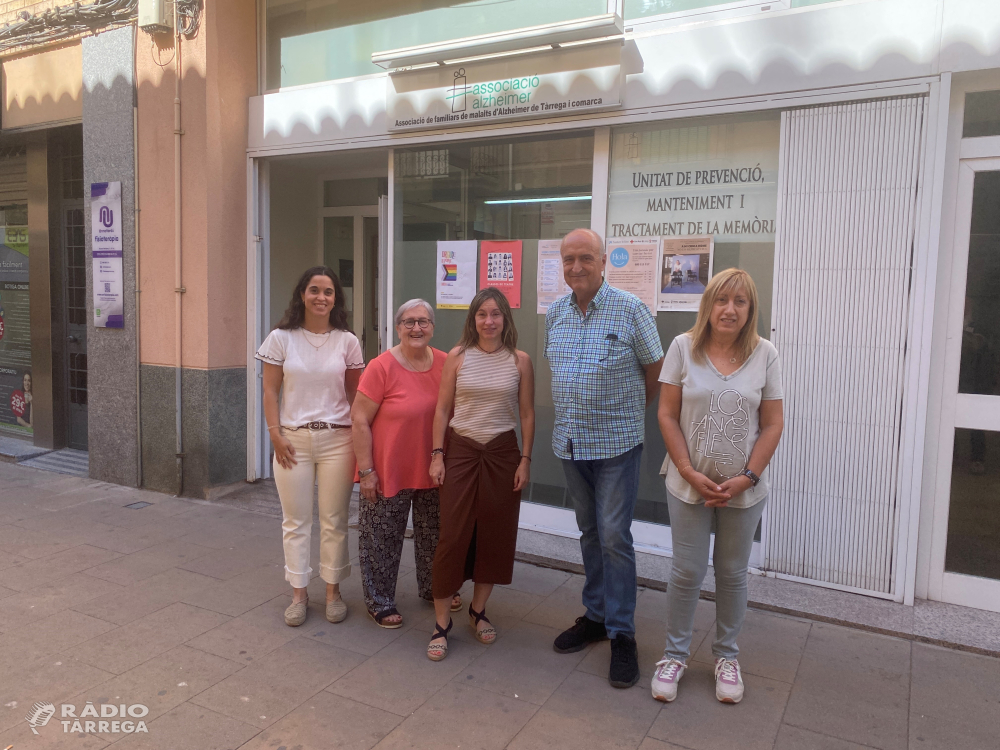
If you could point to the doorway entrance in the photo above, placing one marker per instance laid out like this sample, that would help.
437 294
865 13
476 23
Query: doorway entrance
350 237
966 546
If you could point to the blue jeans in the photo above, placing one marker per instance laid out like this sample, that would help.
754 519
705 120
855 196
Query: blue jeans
604 493
691 531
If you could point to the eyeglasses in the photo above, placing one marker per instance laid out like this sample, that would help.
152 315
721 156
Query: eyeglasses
408 323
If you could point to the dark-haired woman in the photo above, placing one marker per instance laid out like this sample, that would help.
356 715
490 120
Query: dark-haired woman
486 385
314 362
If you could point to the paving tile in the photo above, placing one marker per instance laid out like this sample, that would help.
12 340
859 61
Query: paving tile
163 682
49 636
242 642
190 726
146 596
523 663
327 722
50 737
585 711
139 566
853 685
770 646
650 744
649 635
479 720
32 544
535 580
559 609
129 540
277 683
47 569
52 679
126 647
8 560
954 699
696 720
229 562
356 633
795 738
241 593
387 680
29 606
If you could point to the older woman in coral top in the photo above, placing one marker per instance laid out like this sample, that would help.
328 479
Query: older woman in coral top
393 415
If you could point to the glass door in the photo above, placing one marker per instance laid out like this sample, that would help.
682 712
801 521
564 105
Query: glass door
350 240
967 546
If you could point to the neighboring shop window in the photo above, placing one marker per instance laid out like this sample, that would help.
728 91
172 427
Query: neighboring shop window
15 326
982 114
528 190
309 41
710 177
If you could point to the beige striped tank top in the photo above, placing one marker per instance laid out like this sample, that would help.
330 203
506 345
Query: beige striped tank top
486 394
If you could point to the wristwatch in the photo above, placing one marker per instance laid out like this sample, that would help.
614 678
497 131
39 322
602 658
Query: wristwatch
365 472
751 476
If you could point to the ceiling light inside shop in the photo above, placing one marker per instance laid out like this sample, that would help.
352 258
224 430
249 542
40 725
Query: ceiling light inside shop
560 199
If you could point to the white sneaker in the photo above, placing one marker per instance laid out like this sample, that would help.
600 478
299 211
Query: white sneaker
728 681
668 673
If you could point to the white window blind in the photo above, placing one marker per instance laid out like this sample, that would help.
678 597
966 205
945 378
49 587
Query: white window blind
846 217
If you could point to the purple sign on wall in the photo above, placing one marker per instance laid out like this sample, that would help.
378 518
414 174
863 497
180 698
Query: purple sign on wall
106 236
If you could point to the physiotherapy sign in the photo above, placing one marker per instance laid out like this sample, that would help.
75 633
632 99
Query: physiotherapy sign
521 87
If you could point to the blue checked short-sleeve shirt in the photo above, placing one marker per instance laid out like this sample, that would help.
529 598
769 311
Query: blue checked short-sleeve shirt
598 384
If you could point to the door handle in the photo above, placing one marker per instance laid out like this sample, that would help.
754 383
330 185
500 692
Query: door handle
73 339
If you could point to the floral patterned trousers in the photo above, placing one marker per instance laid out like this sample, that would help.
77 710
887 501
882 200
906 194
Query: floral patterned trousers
381 526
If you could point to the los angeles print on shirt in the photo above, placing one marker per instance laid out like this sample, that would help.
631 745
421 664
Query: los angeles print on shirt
720 433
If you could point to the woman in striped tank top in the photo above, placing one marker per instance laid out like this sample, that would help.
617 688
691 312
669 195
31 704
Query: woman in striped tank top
487 384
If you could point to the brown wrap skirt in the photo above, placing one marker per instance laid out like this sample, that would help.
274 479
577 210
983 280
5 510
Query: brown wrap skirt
479 512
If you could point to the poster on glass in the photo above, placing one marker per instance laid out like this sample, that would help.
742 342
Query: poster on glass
456 274
685 268
500 267
551 282
632 266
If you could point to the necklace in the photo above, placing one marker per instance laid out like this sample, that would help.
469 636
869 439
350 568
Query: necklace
405 361
317 348
489 351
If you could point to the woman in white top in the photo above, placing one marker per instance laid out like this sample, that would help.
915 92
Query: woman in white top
721 417
314 362
486 385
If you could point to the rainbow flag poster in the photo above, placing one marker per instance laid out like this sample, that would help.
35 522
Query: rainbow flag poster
456 277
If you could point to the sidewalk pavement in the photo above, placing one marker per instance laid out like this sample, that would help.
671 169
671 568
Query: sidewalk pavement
178 606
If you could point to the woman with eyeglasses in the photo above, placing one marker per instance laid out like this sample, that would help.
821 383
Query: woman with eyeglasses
392 416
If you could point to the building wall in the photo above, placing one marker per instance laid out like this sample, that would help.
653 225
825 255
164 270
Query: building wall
218 75
9 9
108 149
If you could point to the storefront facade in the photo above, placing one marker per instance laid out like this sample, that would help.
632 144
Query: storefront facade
838 151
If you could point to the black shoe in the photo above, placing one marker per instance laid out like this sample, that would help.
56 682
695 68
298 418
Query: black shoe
624 671
577 637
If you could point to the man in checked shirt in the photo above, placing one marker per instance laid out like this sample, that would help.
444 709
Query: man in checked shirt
605 356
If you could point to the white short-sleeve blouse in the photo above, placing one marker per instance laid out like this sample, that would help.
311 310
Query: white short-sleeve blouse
314 365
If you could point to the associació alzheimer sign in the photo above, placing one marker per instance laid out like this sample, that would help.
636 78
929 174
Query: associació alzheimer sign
524 87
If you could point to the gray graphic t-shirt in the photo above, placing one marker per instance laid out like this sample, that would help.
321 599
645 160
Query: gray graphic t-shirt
720 416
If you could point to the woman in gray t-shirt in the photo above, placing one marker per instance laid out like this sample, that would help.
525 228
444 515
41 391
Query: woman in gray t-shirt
721 418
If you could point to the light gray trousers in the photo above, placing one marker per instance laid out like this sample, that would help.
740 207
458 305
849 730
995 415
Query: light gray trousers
691 530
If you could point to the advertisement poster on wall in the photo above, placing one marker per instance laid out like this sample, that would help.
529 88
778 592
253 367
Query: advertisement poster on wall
15 322
500 267
550 280
456 274
685 268
632 266
106 228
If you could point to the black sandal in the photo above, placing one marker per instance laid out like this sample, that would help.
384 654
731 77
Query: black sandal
381 616
437 651
477 617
